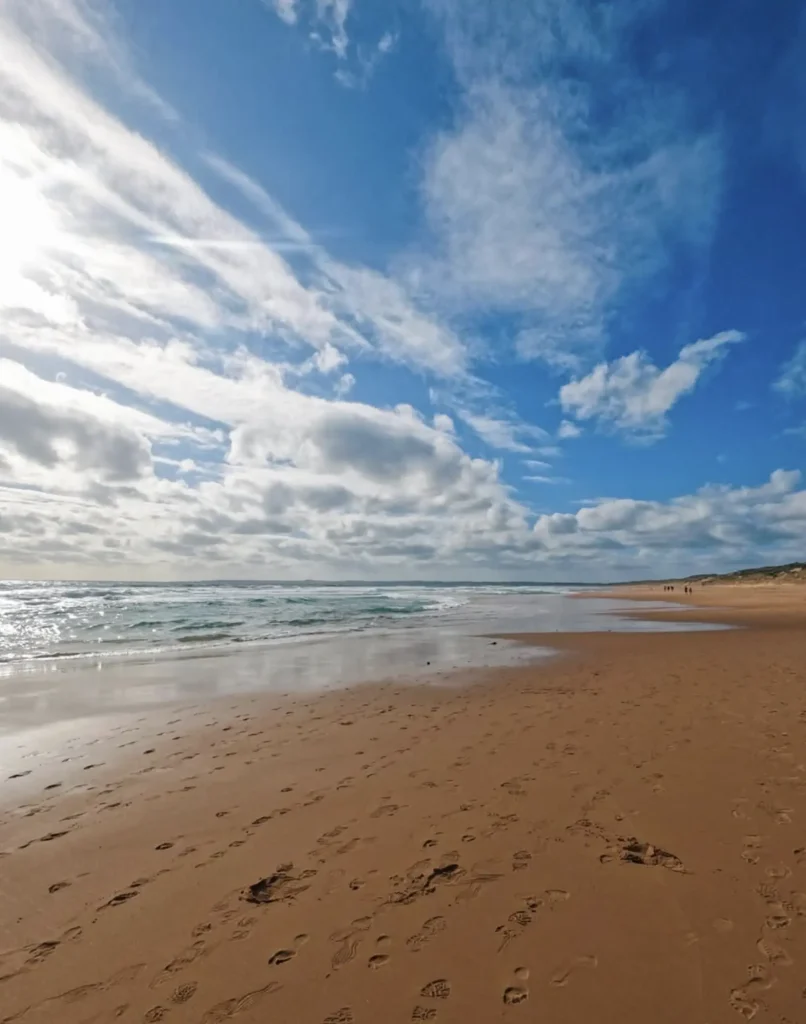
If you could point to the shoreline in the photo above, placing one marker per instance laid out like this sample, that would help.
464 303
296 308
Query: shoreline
609 834
45 692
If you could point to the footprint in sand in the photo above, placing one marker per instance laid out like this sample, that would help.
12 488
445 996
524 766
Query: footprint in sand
439 989
155 1014
282 956
778 917
750 847
743 998
188 956
229 1008
520 860
518 920
348 939
342 1016
184 993
774 953
515 994
431 928
561 978
635 852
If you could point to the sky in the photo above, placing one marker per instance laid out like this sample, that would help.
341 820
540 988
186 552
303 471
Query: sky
420 289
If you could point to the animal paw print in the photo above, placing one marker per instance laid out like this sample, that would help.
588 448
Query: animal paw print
515 994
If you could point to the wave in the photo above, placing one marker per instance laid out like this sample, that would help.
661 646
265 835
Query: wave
80 594
202 638
193 626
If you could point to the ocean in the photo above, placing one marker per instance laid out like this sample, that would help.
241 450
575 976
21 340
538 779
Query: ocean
53 620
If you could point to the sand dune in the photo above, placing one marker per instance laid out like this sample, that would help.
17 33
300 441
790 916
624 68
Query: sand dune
616 835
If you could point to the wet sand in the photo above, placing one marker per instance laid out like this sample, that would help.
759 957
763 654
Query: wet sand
616 834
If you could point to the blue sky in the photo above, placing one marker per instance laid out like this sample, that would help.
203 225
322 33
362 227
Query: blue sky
428 289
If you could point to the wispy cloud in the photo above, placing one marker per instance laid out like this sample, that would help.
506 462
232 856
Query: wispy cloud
503 434
366 300
179 333
792 379
569 178
633 395
326 20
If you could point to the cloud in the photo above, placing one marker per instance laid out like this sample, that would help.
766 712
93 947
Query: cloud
792 381
717 526
48 437
502 433
572 178
568 430
633 395
388 42
327 21
177 381
287 10
373 308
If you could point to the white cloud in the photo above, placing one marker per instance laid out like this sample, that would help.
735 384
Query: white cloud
157 351
568 430
327 20
333 15
716 527
388 42
365 300
287 10
47 437
569 179
792 381
633 395
504 434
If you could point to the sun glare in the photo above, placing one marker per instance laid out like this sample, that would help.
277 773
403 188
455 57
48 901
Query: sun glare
27 227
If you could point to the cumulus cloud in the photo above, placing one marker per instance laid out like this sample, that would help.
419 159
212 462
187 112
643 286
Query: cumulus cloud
633 395
175 380
715 527
48 437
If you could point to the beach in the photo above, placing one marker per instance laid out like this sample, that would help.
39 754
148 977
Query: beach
617 832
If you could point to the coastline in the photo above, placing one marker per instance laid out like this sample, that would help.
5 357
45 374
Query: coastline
605 835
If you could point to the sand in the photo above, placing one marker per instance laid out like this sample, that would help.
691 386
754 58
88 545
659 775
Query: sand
616 835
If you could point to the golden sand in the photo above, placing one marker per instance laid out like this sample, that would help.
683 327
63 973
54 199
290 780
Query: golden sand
617 835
